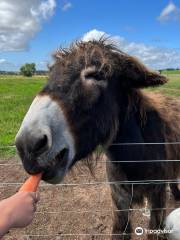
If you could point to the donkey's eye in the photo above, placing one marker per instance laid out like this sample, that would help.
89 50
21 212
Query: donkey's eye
95 75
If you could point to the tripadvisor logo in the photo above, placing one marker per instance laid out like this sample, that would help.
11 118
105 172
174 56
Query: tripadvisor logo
140 231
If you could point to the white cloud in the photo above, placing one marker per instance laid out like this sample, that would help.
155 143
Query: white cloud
21 20
154 57
2 60
45 9
66 6
93 34
170 12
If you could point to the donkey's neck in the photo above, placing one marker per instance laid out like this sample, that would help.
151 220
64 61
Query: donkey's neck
129 132
130 117
130 120
134 128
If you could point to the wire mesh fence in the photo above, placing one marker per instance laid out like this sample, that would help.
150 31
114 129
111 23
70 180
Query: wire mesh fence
69 190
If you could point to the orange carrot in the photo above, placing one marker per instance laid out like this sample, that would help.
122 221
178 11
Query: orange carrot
31 184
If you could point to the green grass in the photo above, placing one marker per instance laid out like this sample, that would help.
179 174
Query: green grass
172 88
17 93
170 72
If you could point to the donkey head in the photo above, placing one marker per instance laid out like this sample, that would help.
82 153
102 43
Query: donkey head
79 107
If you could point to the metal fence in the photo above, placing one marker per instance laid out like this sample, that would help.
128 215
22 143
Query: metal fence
96 183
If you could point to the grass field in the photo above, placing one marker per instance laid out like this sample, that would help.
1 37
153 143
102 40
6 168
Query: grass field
17 93
172 88
170 72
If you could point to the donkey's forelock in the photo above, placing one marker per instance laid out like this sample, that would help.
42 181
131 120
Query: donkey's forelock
104 44
88 53
108 60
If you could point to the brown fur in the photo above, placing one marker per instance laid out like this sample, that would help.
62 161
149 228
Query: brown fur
100 91
122 75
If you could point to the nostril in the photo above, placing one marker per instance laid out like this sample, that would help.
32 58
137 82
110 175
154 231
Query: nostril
41 144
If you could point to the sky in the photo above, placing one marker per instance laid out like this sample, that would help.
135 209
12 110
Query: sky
31 30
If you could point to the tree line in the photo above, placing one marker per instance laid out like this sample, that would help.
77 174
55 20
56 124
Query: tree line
29 69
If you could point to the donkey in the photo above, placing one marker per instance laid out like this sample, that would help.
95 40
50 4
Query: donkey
94 97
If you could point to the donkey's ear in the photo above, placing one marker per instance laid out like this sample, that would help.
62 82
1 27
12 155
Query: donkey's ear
137 75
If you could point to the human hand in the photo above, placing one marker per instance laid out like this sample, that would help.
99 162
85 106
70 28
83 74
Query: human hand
18 210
